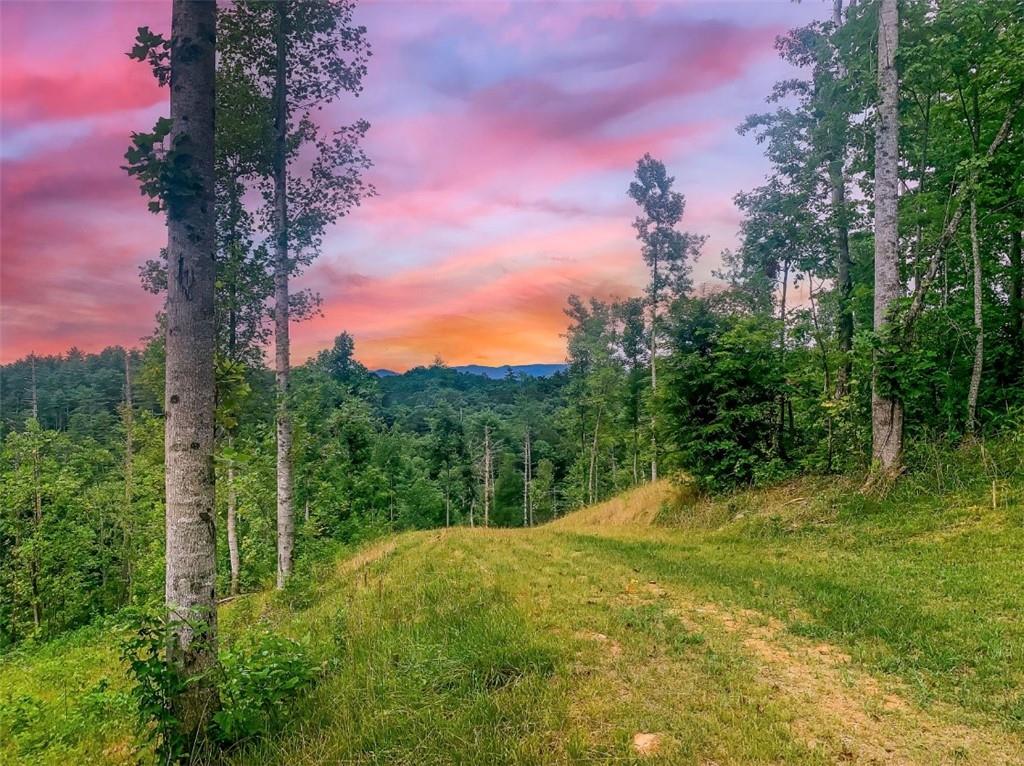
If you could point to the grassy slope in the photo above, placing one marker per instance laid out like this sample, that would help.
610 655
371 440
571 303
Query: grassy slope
801 625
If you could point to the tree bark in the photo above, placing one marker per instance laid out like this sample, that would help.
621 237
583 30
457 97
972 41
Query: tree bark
129 483
487 476
592 473
780 434
190 343
35 390
886 411
844 280
655 296
37 505
979 325
529 475
285 509
654 384
526 478
1017 295
233 554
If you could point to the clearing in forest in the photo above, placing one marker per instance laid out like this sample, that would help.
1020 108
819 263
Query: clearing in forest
775 627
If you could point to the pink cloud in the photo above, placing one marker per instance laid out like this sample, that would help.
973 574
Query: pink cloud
502 181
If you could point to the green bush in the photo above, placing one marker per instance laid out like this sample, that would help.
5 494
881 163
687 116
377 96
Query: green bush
255 678
258 676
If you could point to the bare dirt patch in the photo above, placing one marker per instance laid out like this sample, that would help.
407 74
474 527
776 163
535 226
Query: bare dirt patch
645 743
845 711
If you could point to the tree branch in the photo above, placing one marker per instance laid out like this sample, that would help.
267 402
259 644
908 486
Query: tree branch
921 290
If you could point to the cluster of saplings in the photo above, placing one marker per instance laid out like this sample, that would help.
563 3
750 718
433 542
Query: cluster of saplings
875 302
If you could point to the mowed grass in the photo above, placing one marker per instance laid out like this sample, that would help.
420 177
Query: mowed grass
928 589
807 624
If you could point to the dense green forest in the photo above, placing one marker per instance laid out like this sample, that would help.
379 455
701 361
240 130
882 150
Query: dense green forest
372 455
873 310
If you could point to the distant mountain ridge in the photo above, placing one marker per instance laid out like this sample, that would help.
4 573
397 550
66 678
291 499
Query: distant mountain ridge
527 370
496 372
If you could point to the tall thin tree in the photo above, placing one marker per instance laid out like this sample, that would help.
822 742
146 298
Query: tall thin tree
667 253
282 353
301 55
175 168
886 409
488 476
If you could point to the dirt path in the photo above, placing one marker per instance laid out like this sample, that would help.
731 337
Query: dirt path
846 711
633 686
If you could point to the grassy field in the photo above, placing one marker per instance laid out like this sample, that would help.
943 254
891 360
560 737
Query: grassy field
806 624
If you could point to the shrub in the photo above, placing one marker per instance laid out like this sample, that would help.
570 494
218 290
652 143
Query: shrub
255 678
258 677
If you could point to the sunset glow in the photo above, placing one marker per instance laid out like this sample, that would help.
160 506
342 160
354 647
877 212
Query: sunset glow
502 156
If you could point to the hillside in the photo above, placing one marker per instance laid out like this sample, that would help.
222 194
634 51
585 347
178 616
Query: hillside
804 624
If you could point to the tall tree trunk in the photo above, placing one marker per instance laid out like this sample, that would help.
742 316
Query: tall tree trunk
190 344
636 451
487 476
233 554
655 296
844 279
1017 296
526 478
819 341
654 383
886 411
592 473
529 475
37 505
285 510
129 483
979 325
35 390
780 432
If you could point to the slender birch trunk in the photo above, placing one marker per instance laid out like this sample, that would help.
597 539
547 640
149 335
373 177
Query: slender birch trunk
129 482
592 473
233 555
844 279
654 381
526 478
529 475
636 457
37 506
190 342
780 434
35 390
979 325
285 510
886 412
487 476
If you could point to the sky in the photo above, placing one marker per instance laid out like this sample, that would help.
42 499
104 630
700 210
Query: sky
503 134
